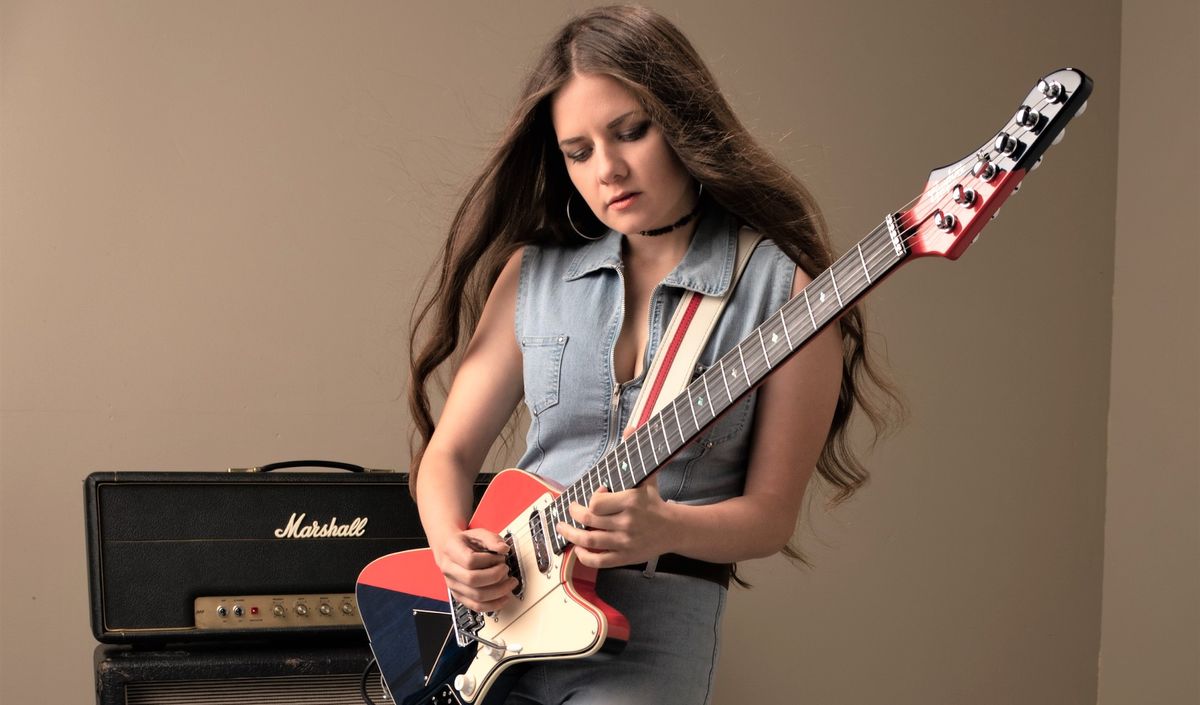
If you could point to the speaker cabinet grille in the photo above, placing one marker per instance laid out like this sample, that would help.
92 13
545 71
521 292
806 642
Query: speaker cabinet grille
224 675
334 689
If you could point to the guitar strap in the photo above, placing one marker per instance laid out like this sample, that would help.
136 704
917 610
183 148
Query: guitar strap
690 327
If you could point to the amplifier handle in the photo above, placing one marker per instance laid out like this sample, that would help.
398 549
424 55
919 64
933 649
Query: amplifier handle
309 464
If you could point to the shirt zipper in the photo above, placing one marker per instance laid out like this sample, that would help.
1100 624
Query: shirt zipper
614 412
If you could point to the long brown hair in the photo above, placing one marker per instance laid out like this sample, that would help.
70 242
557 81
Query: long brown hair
521 193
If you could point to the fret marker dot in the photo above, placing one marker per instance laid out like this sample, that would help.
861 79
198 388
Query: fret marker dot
699 401
774 337
624 466
822 297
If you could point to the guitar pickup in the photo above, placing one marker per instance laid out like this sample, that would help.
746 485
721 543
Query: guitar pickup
539 541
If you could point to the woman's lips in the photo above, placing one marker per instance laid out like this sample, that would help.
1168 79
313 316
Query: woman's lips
623 202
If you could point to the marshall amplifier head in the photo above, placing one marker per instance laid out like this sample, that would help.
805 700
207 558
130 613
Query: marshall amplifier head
192 556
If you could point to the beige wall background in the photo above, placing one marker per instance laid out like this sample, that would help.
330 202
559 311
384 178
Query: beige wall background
214 216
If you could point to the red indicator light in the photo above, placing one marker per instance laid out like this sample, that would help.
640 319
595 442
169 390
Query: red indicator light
253 610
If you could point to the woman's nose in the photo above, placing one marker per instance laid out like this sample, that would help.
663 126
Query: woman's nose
611 166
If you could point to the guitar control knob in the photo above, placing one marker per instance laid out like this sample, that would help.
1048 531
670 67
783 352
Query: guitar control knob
945 221
465 684
984 169
1053 90
963 196
1027 116
1005 144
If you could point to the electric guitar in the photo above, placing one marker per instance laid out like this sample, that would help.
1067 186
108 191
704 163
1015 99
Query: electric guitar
470 657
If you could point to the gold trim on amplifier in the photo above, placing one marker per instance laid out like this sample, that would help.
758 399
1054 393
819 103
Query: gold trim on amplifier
276 611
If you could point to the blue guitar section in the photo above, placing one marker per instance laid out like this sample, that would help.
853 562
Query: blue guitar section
394 638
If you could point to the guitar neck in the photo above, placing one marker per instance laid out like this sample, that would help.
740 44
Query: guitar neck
740 370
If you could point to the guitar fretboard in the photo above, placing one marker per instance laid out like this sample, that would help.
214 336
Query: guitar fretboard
738 371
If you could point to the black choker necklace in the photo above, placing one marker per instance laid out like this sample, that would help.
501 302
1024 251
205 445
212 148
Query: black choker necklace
673 226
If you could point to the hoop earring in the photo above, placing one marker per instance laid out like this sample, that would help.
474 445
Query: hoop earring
572 223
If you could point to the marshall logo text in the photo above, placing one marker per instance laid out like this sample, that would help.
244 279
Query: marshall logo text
297 529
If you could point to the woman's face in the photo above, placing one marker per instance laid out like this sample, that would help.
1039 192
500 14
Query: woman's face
617 158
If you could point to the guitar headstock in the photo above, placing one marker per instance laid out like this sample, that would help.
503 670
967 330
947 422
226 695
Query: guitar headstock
960 198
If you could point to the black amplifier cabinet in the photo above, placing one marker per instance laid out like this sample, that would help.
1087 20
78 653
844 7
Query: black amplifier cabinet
193 556
262 676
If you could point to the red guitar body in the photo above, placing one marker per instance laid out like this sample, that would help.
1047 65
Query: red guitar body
556 615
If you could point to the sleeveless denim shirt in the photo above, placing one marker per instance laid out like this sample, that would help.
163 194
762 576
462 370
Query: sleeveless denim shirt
570 307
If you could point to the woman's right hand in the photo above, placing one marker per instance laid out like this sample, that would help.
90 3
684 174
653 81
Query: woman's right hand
472 562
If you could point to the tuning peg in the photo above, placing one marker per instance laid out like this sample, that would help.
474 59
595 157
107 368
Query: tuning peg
945 221
964 196
1005 144
984 169
1036 164
995 215
1027 116
1059 137
1051 89
1082 109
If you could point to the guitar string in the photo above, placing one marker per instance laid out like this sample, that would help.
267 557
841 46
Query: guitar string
1016 131
595 476
880 251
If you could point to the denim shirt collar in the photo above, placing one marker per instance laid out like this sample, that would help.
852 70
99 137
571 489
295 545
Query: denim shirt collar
706 267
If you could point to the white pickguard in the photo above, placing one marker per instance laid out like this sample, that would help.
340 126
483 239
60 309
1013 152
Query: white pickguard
549 620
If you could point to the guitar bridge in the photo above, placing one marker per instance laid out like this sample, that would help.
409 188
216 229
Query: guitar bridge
467 622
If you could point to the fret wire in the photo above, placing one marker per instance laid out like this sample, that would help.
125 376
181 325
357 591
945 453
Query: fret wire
678 424
766 359
641 457
707 394
786 336
864 263
745 372
650 440
851 277
810 311
833 280
721 364
692 406
662 427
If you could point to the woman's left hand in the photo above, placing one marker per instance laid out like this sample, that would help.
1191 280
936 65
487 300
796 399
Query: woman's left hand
623 528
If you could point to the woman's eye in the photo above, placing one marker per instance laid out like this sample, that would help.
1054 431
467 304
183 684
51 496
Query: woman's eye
636 133
579 156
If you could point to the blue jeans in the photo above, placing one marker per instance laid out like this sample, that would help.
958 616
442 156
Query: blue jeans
671 657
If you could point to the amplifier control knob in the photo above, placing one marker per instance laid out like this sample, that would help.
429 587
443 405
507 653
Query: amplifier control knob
325 609
347 608
278 610
238 611
302 609
222 611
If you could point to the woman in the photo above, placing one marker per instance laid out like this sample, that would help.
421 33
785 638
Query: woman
621 182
